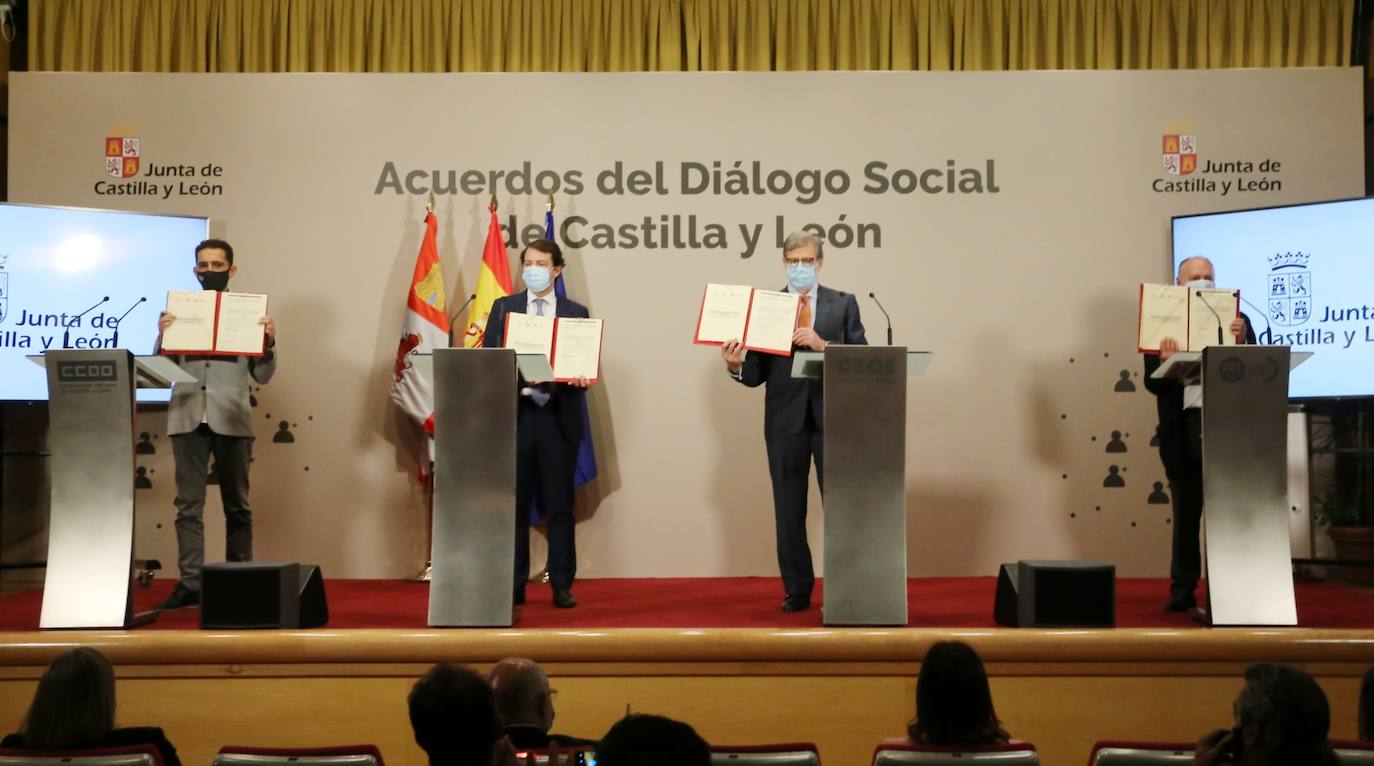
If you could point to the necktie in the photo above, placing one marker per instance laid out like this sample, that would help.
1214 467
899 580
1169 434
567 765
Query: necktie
539 304
804 313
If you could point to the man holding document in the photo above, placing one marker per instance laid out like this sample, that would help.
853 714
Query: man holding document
549 424
1171 322
226 340
793 414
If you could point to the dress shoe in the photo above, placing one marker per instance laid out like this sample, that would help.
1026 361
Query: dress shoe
796 603
563 599
181 598
1180 602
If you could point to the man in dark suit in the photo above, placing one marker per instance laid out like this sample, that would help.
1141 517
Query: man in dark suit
524 701
549 428
1180 445
793 408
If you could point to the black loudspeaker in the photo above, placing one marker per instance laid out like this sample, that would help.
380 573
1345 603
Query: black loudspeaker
256 594
1056 594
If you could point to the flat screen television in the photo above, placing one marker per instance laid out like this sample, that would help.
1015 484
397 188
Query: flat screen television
1306 278
57 262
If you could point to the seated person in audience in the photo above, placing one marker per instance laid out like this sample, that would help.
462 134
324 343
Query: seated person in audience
953 701
74 709
1282 719
454 718
524 702
1367 706
652 740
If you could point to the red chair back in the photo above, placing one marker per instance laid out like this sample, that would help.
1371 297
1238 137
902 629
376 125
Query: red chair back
1128 753
339 755
782 754
128 755
900 752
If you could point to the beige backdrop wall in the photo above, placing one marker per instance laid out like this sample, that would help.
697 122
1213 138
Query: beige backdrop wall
1025 290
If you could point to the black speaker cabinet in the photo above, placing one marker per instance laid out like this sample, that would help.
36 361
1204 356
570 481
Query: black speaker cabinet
1056 594
257 594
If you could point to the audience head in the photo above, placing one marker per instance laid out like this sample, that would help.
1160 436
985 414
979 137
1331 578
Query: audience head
652 740
1367 706
74 704
454 718
953 701
1282 717
522 692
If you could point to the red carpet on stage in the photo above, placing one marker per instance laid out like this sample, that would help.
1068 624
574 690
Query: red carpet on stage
734 602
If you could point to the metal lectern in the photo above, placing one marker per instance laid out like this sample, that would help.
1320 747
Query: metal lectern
472 577
1244 404
865 478
91 525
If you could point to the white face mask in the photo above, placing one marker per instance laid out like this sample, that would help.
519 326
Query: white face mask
1200 284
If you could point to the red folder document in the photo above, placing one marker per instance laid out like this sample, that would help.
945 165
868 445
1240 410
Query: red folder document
213 323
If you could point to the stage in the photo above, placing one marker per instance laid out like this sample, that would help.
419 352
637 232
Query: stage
715 652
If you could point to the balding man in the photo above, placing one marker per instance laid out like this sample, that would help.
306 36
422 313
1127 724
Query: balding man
524 703
1180 445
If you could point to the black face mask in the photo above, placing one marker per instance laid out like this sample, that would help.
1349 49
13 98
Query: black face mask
213 280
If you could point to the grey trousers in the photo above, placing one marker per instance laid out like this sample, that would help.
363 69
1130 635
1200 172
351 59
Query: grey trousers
192 451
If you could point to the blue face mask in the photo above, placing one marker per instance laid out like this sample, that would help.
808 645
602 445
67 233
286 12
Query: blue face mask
801 276
536 278
1201 284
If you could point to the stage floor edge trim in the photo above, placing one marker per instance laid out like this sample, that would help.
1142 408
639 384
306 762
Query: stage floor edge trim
323 645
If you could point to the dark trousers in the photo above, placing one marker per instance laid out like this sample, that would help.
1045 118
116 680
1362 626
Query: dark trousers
544 467
789 465
191 453
1185 567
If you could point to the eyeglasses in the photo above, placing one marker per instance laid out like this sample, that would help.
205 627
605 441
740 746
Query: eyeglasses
801 261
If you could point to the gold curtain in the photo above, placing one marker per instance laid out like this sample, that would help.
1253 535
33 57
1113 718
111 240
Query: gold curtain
682 35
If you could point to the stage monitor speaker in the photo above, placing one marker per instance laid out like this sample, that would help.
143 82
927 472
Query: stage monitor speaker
256 594
1056 594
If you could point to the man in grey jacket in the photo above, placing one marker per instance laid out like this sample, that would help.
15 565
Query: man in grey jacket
213 417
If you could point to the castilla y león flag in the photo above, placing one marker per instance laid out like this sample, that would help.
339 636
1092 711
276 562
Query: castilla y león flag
425 329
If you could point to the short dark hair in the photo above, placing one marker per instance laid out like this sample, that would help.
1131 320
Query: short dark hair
953 700
74 705
217 244
1288 712
652 740
453 715
546 246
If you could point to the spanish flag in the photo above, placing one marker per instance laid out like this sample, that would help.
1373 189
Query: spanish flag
494 282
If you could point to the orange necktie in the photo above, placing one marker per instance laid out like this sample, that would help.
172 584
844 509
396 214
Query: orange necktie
804 314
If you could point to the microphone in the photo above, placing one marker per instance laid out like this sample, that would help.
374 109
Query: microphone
1260 312
67 328
885 316
1220 342
120 320
457 314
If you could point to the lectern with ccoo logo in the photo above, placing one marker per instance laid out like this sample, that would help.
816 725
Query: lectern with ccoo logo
91 525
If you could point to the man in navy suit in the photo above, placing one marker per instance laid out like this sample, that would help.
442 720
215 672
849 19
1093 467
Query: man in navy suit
1180 445
549 428
793 408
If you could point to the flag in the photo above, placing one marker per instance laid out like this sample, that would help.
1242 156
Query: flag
425 329
586 456
493 282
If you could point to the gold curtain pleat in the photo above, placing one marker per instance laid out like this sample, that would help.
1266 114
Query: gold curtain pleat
682 35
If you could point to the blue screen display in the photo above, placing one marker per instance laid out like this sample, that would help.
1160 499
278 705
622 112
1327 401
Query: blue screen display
1306 274
57 262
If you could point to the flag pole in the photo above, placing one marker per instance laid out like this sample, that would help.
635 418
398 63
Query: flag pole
427 571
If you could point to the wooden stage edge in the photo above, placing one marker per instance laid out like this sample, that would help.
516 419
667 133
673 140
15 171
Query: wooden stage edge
691 646
844 689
